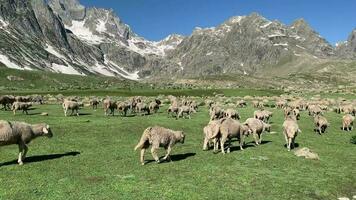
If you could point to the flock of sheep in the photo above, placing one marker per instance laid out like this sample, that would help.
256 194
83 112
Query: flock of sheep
224 122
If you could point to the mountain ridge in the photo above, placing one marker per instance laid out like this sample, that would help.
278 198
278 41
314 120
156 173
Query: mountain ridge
66 37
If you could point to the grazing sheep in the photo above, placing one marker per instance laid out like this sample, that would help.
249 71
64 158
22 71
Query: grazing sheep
21 106
185 110
94 103
281 104
231 113
216 112
21 134
314 110
6 101
348 122
154 107
229 129
296 113
290 131
257 127
122 107
23 98
159 137
71 105
321 123
263 115
108 104
142 107
172 110
210 131
242 103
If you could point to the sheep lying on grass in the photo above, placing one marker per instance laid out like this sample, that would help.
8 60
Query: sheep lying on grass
159 137
21 134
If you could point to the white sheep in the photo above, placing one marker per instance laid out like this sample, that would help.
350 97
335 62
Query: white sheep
21 133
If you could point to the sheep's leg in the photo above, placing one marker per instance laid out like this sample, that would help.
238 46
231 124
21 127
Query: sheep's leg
242 140
222 143
286 138
260 135
228 145
26 112
142 156
289 143
154 154
21 149
255 137
205 144
25 152
169 149
77 111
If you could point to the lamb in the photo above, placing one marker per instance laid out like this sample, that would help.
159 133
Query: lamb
290 131
185 109
257 127
159 137
21 134
108 104
231 113
321 123
348 122
213 128
21 106
71 105
229 129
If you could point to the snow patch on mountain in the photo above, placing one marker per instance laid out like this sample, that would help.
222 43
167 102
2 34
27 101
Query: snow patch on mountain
50 49
8 63
65 69
79 29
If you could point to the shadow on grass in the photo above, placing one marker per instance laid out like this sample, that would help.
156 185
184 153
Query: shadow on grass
41 158
296 145
174 158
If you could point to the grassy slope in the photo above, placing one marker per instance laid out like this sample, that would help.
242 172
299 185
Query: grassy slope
108 168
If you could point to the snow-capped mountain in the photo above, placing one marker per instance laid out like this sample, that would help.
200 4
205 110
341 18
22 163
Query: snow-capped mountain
66 37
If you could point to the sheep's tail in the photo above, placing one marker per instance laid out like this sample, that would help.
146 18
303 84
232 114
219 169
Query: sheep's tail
144 138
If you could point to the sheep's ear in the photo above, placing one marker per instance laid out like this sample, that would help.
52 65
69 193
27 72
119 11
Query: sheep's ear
45 130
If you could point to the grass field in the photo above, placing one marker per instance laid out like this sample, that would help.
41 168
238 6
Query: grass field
92 157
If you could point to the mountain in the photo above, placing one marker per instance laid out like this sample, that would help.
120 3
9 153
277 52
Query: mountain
66 37
347 49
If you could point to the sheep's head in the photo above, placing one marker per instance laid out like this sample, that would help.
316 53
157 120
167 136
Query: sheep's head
47 131
246 129
181 136
267 127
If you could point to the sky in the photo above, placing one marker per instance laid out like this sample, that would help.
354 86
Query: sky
156 19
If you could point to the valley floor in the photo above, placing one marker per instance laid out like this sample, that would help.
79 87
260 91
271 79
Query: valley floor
92 157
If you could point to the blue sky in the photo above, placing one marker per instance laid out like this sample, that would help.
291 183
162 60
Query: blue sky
155 19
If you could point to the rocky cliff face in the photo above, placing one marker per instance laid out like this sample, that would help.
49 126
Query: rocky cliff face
63 36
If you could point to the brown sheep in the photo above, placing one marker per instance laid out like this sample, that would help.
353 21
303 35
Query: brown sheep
94 103
21 134
348 122
159 137
172 110
21 106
